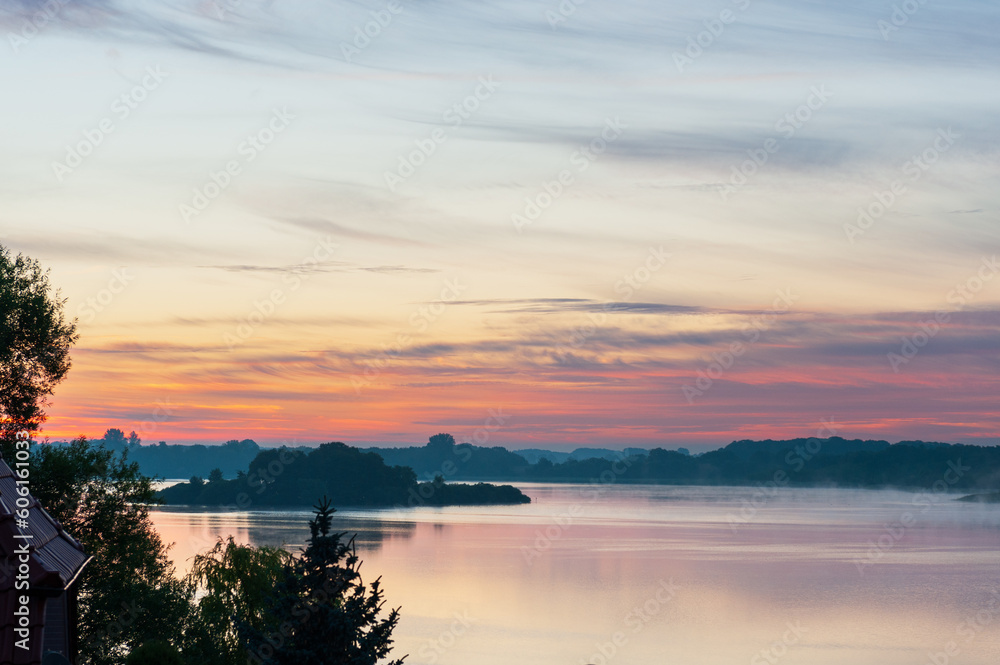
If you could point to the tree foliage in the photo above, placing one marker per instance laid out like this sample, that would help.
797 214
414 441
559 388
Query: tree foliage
157 652
258 601
321 612
236 579
285 477
35 338
129 593
114 439
441 443
832 461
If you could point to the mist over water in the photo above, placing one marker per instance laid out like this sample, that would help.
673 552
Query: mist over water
654 574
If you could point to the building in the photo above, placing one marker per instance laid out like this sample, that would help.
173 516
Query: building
40 564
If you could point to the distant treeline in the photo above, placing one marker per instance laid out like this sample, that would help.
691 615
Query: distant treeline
831 461
828 462
180 461
798 462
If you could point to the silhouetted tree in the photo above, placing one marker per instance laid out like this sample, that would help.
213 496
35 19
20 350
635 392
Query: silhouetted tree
114 439
35 338
157 652
441 442
215 475
236 580
129 594
322 613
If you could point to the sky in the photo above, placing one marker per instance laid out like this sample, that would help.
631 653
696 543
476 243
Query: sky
529 224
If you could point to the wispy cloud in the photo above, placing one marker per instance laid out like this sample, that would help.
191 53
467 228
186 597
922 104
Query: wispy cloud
320 267
543 305
540 323
340 231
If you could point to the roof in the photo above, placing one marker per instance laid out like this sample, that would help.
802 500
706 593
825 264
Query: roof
56 558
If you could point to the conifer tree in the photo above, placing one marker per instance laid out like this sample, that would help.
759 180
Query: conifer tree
322 612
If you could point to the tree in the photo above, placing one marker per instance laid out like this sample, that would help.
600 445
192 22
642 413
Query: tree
215 475
444 443
236 580
35 338
321 612
114 439
157 652
128 593
543 468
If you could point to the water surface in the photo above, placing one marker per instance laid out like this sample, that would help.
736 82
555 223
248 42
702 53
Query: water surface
679 575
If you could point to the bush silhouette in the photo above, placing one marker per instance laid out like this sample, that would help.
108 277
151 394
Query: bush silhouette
321 612
157 652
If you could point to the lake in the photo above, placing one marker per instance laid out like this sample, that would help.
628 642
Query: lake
638 574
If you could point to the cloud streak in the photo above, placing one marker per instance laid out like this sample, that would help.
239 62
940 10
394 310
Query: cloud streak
540 327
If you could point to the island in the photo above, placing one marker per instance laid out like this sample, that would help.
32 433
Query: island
349 477
982 498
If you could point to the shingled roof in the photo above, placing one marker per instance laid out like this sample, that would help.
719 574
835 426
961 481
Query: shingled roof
55 557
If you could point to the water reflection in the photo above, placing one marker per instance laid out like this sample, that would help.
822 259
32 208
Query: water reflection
574 577
193 531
